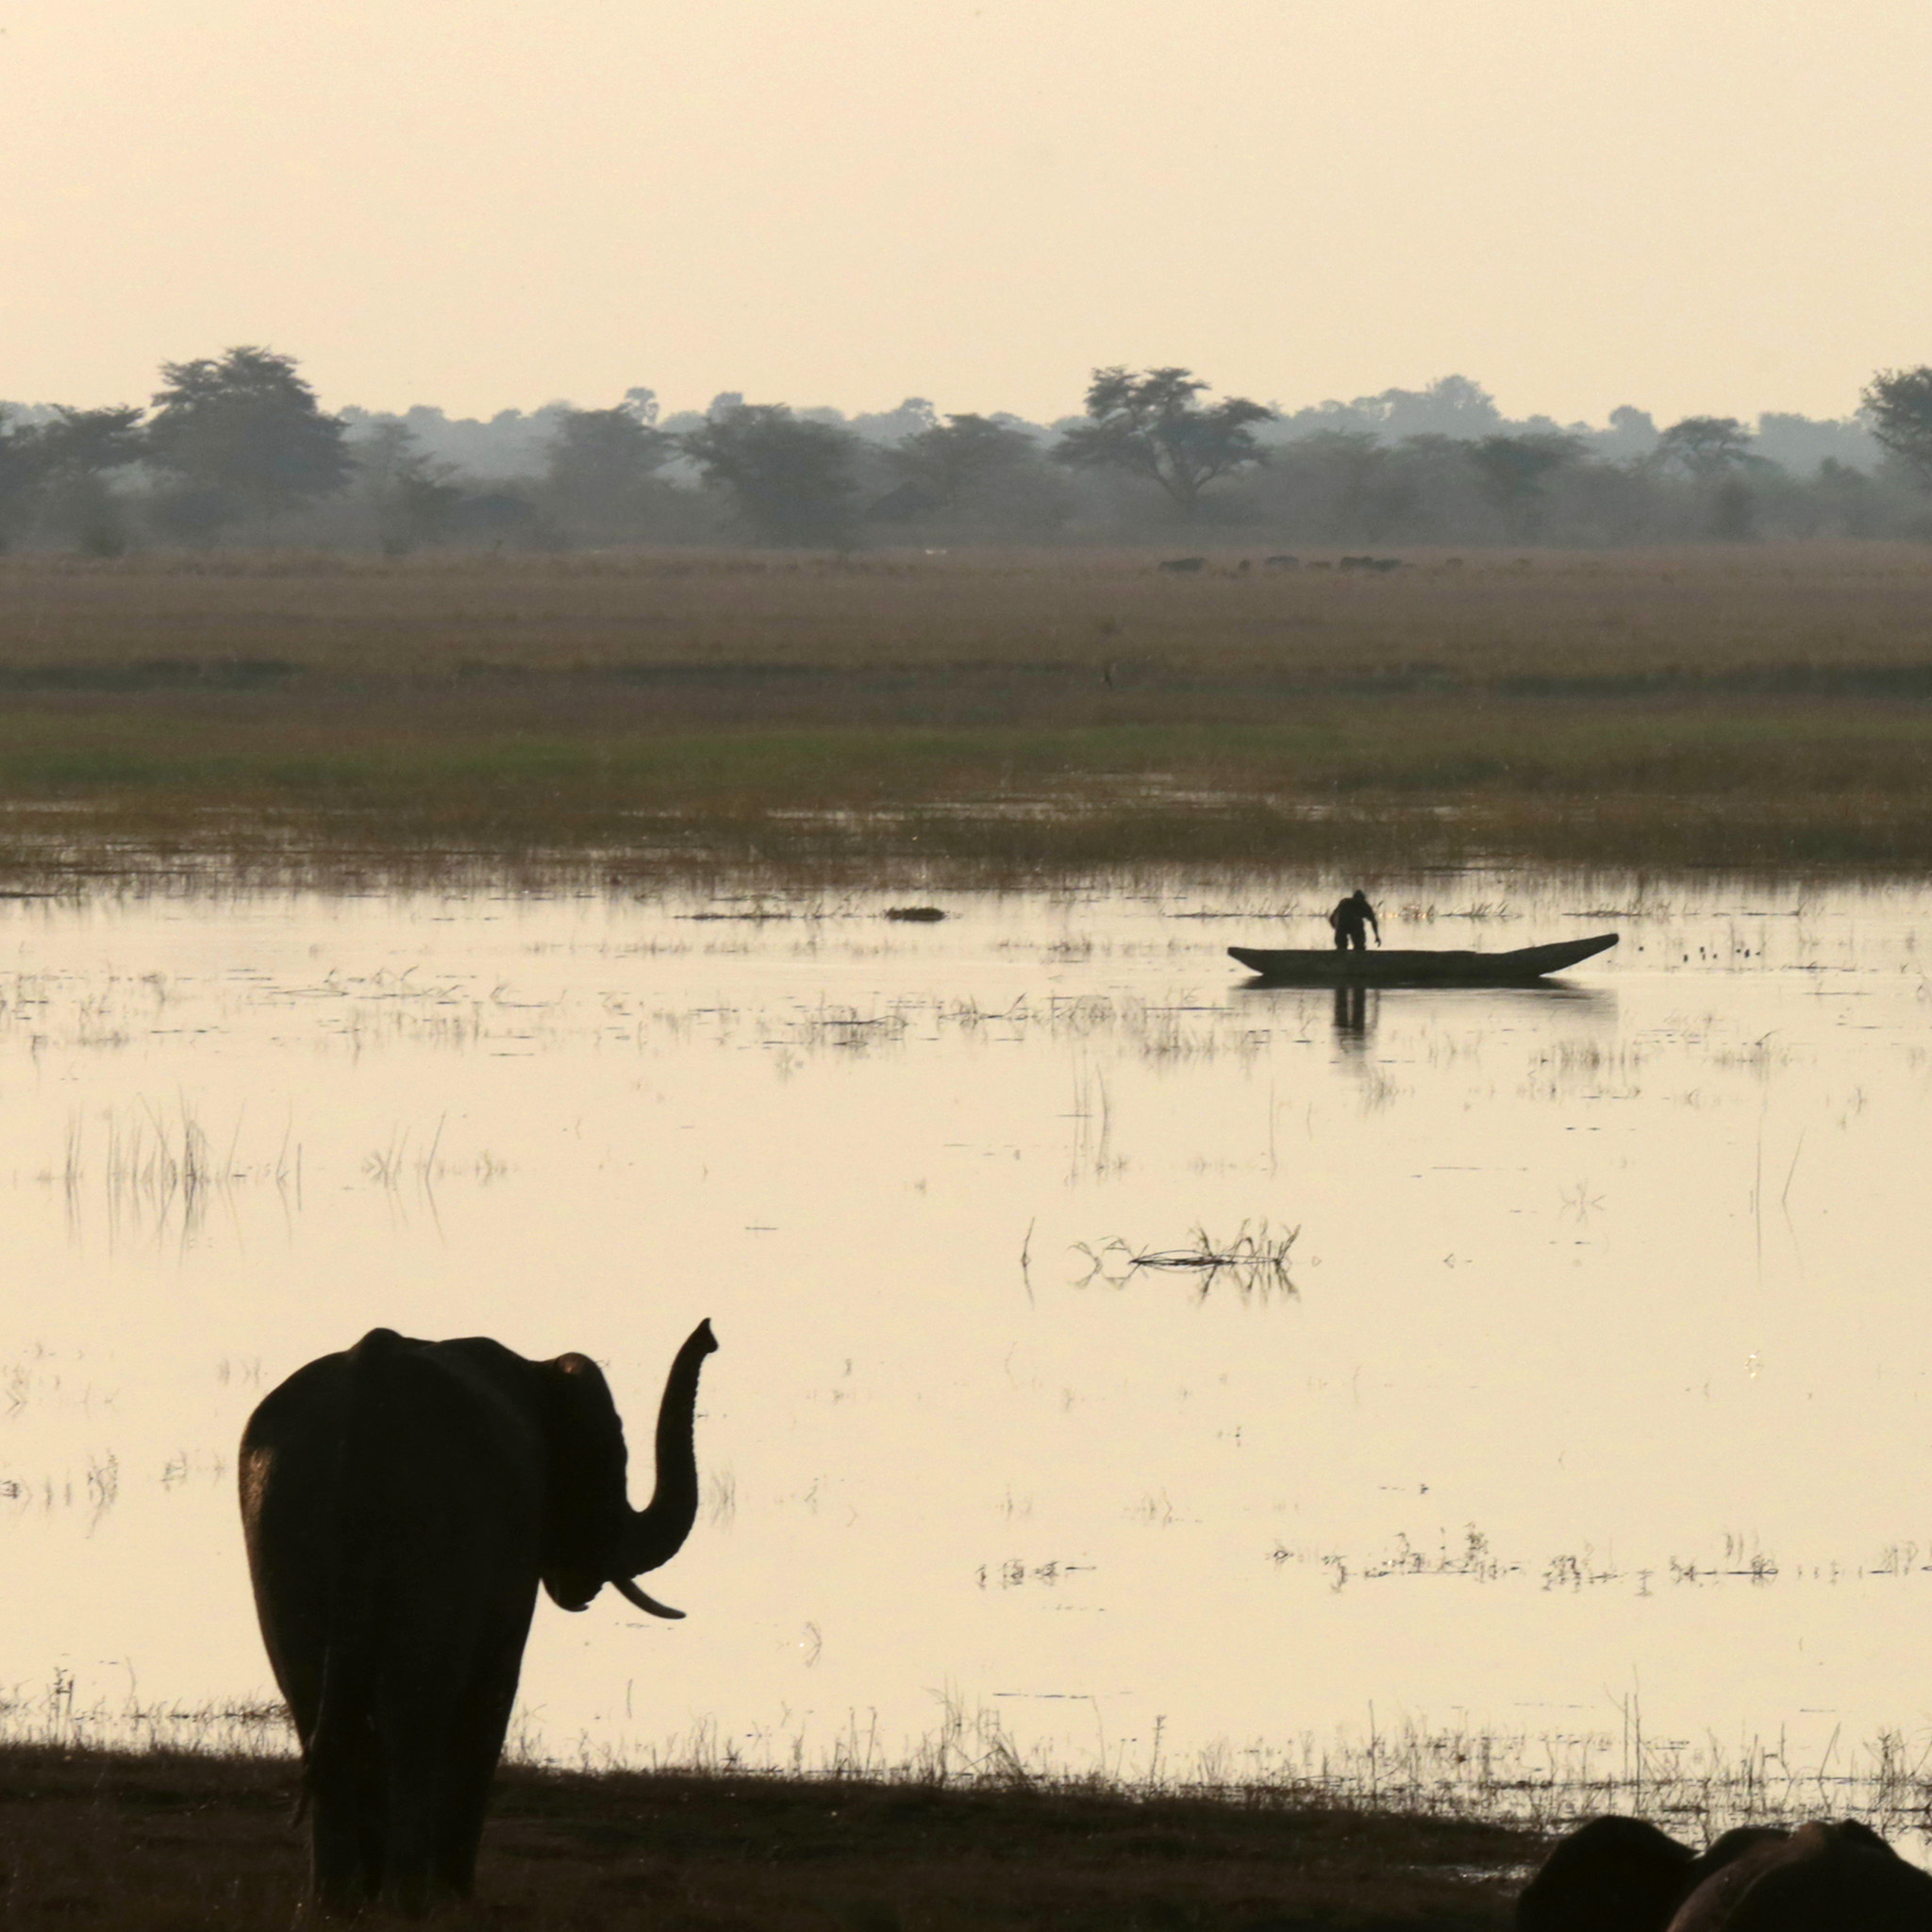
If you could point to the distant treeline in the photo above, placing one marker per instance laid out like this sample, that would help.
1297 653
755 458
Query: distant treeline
236 450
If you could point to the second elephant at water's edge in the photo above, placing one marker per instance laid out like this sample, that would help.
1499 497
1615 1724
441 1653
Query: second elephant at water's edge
1621 1874
402 1500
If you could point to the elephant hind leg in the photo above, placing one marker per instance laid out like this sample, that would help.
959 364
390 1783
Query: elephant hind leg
345 1805
417 1779
437 1775
475 1749
435 1826
461 1831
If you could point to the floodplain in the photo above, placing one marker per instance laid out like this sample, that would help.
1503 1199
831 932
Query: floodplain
1434 1414
1496 1406
999 714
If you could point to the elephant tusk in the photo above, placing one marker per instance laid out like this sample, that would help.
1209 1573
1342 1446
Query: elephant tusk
632 1594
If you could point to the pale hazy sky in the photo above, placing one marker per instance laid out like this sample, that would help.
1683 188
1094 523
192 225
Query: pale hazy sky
1689 205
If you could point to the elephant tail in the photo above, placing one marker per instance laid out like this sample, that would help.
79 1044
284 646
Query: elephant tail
345 1716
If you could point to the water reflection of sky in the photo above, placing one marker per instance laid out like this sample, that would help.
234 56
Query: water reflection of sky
1603 1376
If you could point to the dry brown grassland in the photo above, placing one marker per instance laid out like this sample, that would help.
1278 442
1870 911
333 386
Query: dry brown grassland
984 716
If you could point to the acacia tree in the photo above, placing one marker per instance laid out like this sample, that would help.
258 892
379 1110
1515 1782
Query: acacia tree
791 481
242 435
1715 452
20 472
961 456
53 476
1152 426
1512 471
1705 448
1898 404
77 452
599 465
414 497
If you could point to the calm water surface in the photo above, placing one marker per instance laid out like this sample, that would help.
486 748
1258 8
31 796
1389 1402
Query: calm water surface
1597 1383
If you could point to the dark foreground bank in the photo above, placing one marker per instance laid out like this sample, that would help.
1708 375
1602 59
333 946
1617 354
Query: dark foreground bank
166 1843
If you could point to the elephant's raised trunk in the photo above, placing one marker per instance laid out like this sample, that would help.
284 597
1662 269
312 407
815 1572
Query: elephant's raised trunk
657 1533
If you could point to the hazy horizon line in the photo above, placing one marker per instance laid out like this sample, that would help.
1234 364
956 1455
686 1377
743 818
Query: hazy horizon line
1599 423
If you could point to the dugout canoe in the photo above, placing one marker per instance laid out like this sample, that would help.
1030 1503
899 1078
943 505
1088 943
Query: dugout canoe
1394 966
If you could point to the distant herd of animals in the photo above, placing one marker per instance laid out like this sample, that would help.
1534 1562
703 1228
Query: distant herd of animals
1188 566
403 1500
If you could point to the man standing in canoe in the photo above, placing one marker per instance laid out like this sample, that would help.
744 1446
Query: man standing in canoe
1350 921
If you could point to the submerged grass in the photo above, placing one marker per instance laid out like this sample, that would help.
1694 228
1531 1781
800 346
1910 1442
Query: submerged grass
1412 786
983 718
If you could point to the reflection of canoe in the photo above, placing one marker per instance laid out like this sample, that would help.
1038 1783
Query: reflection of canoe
1392 967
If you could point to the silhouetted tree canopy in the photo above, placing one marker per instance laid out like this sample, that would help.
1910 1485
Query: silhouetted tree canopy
415 498
20 472
598 465
962 454
79 450
1514 469
53 476
1704 446
239 436
1898 405
242 435
91 442
790 481
1152 426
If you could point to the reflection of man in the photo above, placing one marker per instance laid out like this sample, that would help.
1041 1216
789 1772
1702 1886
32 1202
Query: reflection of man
1350 921
1354 1010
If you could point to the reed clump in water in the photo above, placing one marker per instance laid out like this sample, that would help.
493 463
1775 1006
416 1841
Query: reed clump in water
1253 1259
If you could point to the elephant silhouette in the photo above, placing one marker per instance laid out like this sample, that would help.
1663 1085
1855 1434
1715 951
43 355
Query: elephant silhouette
401 1502
1620 1874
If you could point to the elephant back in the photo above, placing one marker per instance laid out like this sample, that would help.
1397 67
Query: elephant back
1613 1874
1819 1878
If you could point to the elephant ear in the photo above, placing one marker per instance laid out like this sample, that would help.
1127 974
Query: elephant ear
585 1500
